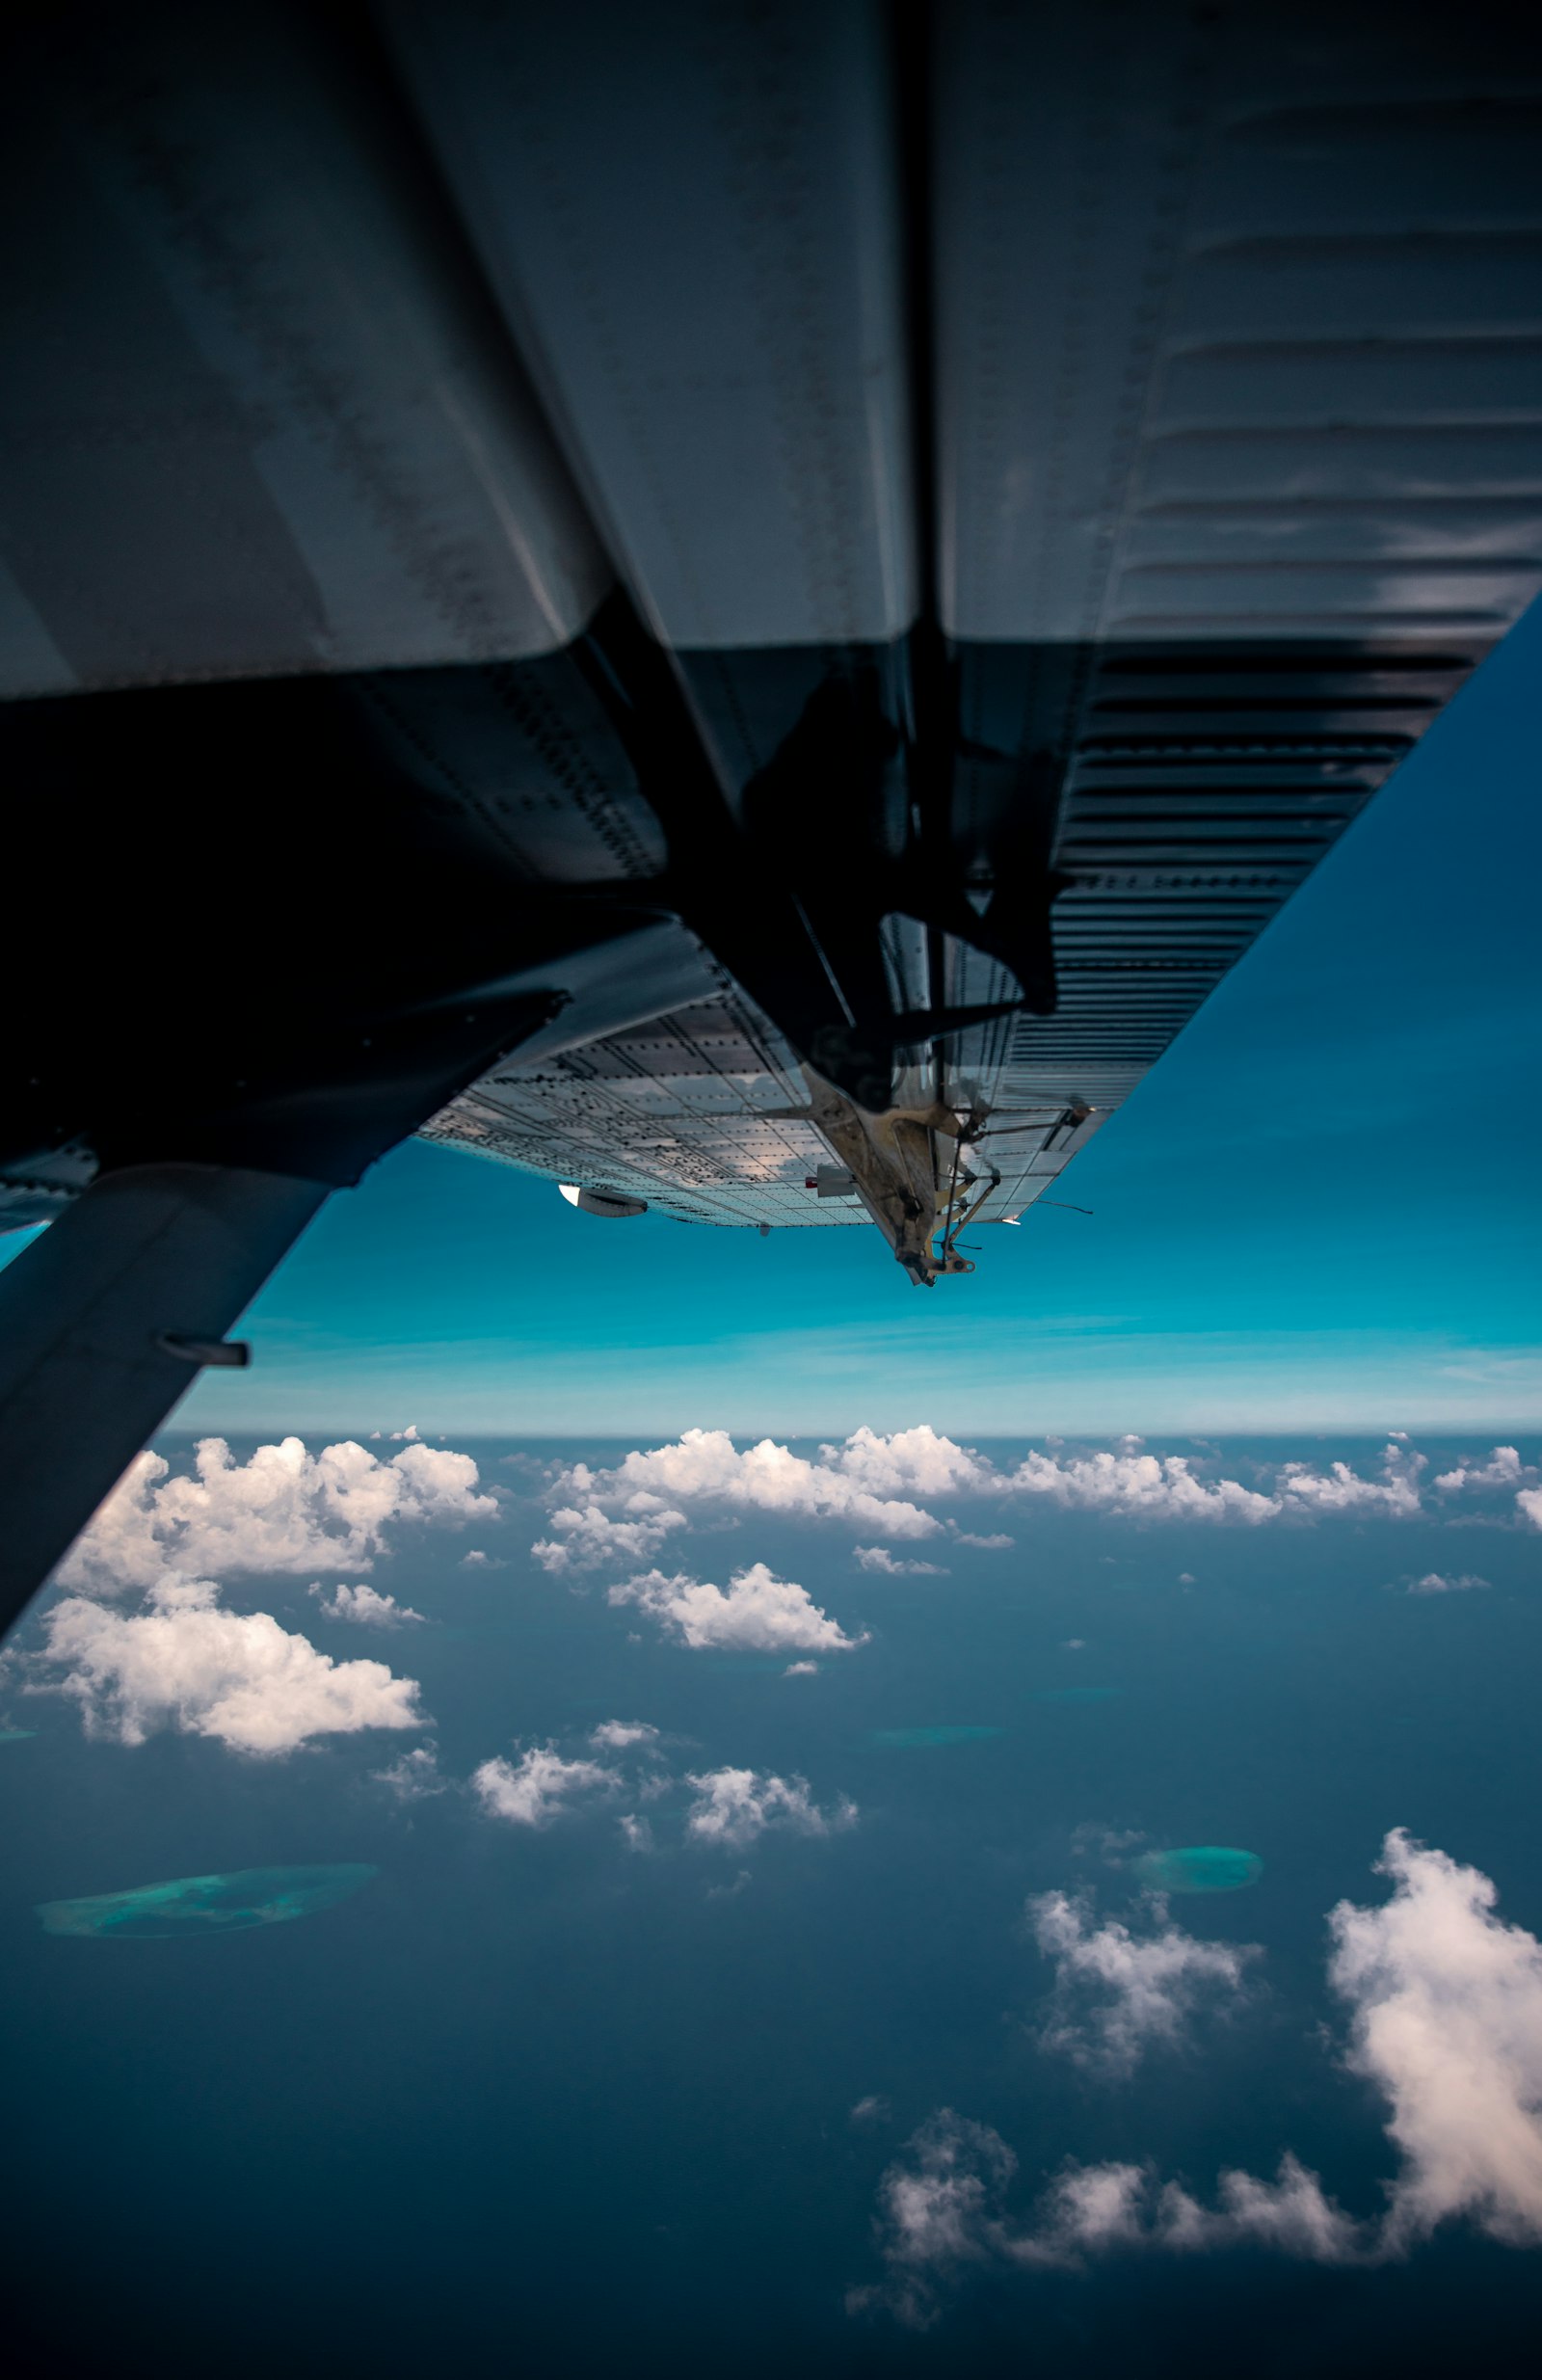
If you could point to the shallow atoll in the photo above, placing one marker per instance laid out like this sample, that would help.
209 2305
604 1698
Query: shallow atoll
201 1904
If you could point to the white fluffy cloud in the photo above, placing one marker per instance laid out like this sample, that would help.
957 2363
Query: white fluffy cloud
879 1559
1118 1993
735 1808
1445 2014
1444 2007
867 1482
1529 1504
759 1612
365 1607
1339 1490
538 1787
588 1537
941 2206
623 1736
414 1777
282 1509
1502 1469
1439 1582
1146 1486
183 1663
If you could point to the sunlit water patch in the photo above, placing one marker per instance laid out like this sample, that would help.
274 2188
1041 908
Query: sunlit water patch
203 1904
1203 1867
906 1738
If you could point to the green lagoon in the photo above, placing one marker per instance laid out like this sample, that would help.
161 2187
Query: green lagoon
192 1905
1203 1867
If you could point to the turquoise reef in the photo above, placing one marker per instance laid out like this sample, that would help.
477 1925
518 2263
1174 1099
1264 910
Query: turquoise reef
203 1905
903 1738
1203 1867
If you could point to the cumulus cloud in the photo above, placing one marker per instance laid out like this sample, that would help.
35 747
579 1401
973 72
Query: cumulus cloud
938 2208
879 1559
366 1608
185 1664
735 1807
997 1544
759 1612
1437 1583
538 1787
1445 2005
636 1832
414 1777
1529 1504
283 1508
868 1482
1146 1486
623 1734
1395 1495
1118 1993
1502 1469
1446 2015
801 1668
873 2109
941 2207
587 1536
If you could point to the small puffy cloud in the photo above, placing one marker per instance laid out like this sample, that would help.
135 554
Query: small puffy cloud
365 1608
1446 2012
758 1612
1393 1496
183 1663
801 1668
879 1559
940 2208
873 2109
1118 1993
414 1777
1437 1583
538 1787
623 1734
588 1537
735 1807
635 1833
1503 1469
282 1509
1529 1504
1145 1486
997 1544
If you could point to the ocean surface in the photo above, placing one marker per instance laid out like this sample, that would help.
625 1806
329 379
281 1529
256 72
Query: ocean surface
447 2093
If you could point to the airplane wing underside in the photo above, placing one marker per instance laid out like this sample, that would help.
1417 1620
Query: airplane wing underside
707 600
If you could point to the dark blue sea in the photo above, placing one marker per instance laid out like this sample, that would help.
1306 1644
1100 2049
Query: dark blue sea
532 2097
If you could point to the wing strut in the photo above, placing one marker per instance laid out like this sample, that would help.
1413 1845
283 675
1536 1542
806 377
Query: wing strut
105 1321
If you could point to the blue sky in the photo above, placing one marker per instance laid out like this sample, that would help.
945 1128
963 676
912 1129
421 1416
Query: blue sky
1318 1211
